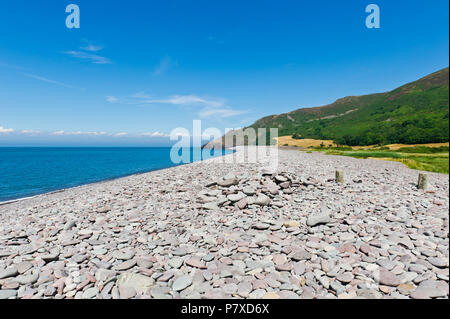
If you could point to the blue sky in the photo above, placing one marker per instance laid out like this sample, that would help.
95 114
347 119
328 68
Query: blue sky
136 70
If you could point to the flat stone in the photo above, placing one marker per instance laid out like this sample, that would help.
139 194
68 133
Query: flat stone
51 256
284 267
102 275
369 294
286 294
406 289
271 295
208 257
195 262
103 210
144 263
249 191
160 292
7 293
140 283
90 293
429 289
5 253
125 265
99 251
301 255
345 277
242 203
280 179
127 292
9 272
261 226
175 262
262 200
299 268
236 197
180 252
210 206
438 262
228 182
244 289
386 263
70 224
28 279
124 254
166 276
230 288
267 171
318 219
337 287
273 283
181 283
24 267
291 223
386 277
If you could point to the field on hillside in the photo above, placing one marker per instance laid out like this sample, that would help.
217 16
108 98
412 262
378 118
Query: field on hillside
305 143
395 147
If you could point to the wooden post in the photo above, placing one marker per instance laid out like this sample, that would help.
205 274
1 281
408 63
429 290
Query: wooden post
339 176
422 183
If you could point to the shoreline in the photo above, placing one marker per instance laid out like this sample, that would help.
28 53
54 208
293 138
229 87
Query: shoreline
59 190
213 229
284 148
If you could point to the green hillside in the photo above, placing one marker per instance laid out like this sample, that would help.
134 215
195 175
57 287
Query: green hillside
411 114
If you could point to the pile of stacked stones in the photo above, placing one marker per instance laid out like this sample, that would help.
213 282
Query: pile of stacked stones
265 189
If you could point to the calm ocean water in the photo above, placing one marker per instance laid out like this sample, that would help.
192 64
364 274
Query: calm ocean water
26 172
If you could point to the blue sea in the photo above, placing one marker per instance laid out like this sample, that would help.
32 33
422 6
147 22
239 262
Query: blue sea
26 172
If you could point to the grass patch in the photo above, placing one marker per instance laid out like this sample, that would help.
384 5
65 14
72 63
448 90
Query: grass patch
432 159
373 154
338 148
424 150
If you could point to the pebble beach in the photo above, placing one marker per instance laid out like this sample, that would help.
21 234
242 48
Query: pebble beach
211 230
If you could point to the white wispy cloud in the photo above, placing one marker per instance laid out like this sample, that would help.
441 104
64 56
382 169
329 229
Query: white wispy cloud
164 65
92 48
11 66
20 70
222 112
29 132
47 80
4 130
187 100
63 133
18 132
88 133
111 99
79 133
141 95
93 58
209 106
155 134
120 134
